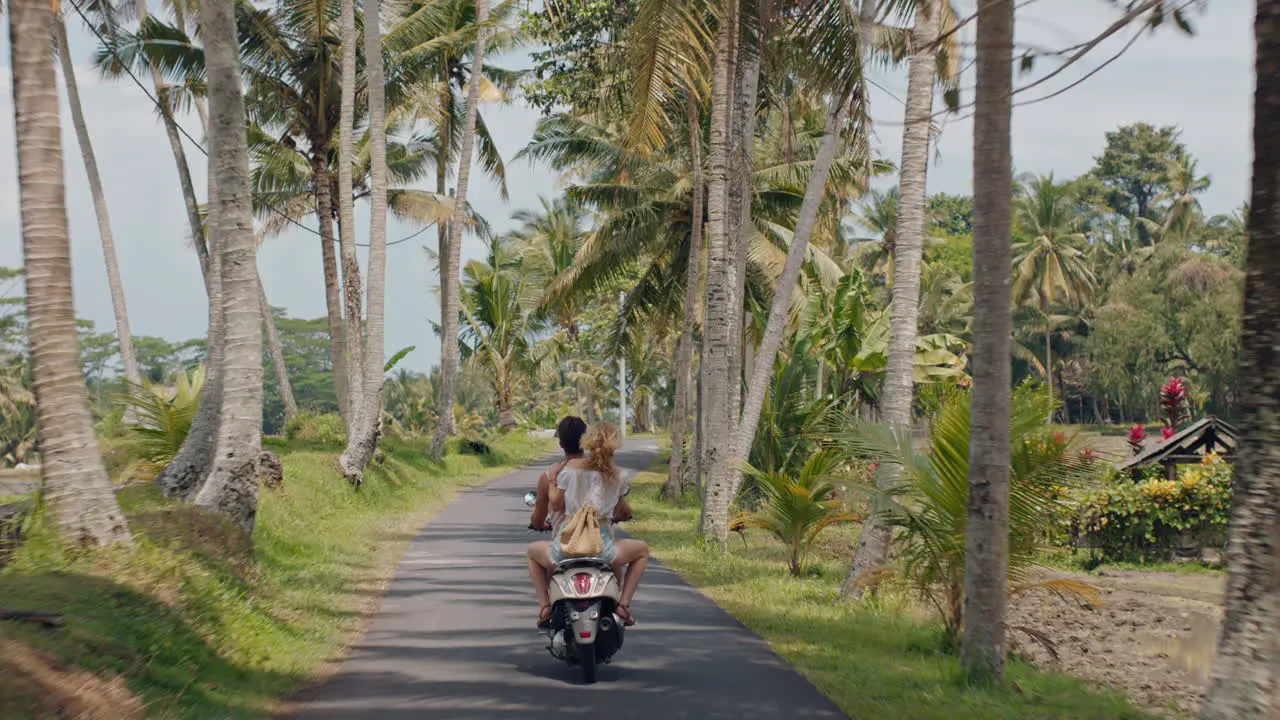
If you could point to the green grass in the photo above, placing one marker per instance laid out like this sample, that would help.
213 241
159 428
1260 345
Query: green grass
201 624
881 659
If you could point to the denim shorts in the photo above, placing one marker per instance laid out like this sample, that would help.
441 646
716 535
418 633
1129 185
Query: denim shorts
608 554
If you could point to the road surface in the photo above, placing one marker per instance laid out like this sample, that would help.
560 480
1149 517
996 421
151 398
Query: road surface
454 638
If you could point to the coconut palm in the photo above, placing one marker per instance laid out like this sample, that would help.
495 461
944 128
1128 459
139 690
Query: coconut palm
232 486
931 510
114 284
1243 676
362 438
987 519
75 483
449 309
498 328
797 506
1049 266
1184 210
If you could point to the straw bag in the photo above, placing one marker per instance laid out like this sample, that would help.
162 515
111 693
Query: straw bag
581 537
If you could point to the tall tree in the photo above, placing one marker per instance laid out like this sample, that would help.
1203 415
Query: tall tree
719 331
362 442
76 485
114 284
1049 267
276 351
693 284
1136 167
451 292
898 389
1244 682
986 584
232 486
347 214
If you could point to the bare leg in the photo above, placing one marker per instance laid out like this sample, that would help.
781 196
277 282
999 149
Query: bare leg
633 556
538 567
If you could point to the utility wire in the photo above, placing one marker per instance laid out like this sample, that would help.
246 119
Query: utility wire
110 46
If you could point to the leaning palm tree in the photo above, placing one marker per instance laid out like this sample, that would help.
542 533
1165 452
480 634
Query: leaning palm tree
1049 267
362 438
76 485
453 259
232 486
114 284
1184 208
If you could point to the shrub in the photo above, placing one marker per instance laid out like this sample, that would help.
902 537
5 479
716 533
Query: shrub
1152 517
929 507
309 428
796 507
161 419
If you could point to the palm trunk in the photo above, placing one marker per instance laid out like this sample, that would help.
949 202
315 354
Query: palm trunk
332 299
444 143
748 49
184 475
362 444
986 583
898 388
232 487
1244 682
277 354
75 482
699 442
114 283
719 330
452 293
684 350
346 219
1048 362
726 475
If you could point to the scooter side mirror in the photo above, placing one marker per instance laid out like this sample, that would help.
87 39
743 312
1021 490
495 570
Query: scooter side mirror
531 498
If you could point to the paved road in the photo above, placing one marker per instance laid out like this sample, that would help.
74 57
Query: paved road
454 638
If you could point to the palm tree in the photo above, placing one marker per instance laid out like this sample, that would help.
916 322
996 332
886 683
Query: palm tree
1048 265
879 216
362 439
899 388
987 533
693 279
346 208
1243 679
114 284
1184 209
76 485
232 486
451 305
551 240
498 329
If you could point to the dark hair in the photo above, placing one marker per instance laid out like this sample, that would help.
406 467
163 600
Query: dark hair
570 432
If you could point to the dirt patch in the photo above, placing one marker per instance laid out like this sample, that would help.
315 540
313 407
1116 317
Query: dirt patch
49 690
1152 638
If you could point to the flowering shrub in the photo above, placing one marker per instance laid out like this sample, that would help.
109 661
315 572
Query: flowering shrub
1137 436
1152 518
1173 404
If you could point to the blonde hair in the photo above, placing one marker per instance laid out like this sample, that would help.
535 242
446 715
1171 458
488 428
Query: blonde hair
601 441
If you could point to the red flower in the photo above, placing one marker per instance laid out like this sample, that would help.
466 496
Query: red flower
1167 432
1059 438
1137 433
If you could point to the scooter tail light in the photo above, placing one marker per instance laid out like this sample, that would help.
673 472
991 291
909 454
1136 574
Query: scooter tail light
582 583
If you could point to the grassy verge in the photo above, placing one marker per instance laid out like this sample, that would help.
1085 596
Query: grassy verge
195 622
875 660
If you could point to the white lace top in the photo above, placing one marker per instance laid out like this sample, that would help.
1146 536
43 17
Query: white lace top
583 487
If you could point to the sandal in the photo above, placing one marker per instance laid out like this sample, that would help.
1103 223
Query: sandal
544 616
623 611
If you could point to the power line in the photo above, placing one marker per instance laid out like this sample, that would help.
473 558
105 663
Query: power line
110 46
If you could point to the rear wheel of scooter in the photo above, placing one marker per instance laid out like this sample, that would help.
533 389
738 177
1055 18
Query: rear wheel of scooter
587 657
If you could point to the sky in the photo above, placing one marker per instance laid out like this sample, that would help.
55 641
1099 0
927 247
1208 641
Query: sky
1202 84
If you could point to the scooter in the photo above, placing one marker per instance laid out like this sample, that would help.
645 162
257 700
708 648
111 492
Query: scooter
583 630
